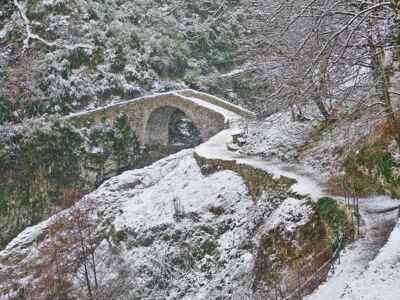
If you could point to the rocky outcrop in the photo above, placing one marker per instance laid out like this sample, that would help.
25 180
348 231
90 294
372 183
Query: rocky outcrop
187 231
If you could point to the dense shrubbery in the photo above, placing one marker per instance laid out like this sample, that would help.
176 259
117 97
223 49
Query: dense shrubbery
138 46
336 218
34 169
6 111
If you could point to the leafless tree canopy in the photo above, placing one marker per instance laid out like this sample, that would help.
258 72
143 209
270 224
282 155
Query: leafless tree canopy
322 51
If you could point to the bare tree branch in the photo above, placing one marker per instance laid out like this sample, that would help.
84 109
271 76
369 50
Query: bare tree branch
32 36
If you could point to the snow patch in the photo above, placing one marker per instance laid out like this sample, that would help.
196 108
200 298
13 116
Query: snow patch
291 214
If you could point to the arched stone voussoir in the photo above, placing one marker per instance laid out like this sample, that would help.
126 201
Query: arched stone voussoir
159 112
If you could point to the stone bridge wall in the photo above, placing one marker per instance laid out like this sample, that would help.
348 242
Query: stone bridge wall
149 116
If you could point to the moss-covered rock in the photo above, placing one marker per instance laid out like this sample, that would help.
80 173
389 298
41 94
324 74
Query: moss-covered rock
256 180
283 256
37 167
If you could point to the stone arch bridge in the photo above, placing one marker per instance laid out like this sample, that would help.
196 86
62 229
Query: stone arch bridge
150 116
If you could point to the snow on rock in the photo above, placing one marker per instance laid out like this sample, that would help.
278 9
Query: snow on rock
183 235
21 246
359 275
200 229
155 205
291 214
218 148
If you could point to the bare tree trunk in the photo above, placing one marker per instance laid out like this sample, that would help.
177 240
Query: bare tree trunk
394 124
322 88
321 106
84 258
381 77
92 251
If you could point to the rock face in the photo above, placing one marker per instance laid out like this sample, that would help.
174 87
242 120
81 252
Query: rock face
179 230
42 163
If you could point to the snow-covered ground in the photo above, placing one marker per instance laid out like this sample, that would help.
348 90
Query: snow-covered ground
187 235
191 236
381 279
364 267
276 137
305 142
307 183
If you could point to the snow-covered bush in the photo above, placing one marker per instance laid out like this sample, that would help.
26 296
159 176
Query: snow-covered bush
116 49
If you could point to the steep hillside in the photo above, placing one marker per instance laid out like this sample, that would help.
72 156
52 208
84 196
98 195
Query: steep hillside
82 53
175 230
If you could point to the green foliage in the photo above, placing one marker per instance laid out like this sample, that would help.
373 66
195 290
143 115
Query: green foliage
6 110
37 167
113 142
371 170
125 145
336 217
331 213
119 60
139 45
97 58
385 164
208 247
79 57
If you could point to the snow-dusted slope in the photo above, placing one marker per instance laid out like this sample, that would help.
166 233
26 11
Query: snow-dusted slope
180 234
277 137
185 235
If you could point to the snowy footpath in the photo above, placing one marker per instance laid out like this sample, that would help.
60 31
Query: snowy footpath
369 268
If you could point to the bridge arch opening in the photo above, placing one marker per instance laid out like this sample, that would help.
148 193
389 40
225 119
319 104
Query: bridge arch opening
170 126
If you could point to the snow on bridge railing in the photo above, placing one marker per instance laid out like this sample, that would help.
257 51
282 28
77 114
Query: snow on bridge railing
180 93
217 101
